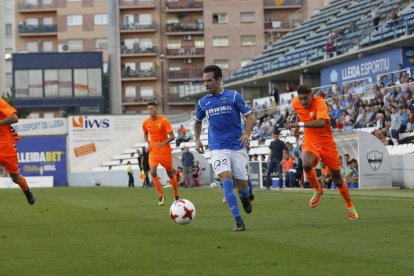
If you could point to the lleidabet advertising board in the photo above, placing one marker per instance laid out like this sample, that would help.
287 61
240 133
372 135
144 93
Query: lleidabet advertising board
93 139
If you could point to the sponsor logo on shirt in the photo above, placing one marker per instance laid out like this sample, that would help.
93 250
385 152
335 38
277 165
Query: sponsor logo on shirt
219 110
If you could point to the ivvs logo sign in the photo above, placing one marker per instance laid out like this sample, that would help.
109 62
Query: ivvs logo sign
84 122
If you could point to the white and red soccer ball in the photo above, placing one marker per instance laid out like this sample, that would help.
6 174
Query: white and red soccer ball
182 211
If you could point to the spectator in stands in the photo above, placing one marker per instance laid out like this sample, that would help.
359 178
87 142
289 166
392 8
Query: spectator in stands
352 177
143 161
349 126
275 93
182 135
325 178
179 175
130 175
404 119
187 160
330 48
393 19
376 16
288 171
197 174
276 147
360 119
297 166
291 149
288 87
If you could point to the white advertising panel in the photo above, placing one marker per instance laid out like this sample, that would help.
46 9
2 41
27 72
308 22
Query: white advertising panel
33 127
94 139
374 162
32 181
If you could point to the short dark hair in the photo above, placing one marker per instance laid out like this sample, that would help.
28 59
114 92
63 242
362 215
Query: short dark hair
277 132
215 69
155 103
304 89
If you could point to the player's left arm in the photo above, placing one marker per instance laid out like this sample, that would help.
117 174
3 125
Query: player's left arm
170 131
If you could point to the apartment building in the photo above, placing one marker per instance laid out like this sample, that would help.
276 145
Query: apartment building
161 46
7 45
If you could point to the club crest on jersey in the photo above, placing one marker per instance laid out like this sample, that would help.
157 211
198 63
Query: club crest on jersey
223 100
312 115
159 125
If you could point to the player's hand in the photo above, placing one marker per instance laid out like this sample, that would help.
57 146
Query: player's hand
293 125
199 147
245 140
159 145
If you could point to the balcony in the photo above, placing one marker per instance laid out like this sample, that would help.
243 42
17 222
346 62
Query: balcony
30 30
132 75
187 52
27 7
185 74
136 4
184 6
185 28
138 51
286 4
139 27
282 26
138 98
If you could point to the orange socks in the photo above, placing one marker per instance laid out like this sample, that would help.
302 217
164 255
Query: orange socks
313 180
157 186
174 186
23 183
343 190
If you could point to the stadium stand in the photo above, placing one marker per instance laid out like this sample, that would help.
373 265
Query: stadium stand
346 23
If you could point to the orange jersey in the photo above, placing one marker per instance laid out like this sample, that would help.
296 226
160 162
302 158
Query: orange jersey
6 136
317 110
158 131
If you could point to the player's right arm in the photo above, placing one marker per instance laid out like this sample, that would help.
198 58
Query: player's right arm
9 120
199 116
197 133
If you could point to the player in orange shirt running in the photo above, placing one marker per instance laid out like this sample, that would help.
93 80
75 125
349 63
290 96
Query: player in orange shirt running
158 133
318 142
8 153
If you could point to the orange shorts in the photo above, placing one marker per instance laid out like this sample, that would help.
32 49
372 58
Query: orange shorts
328 152
10 162
161 158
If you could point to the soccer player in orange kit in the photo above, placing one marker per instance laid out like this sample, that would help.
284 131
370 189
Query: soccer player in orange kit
8 153
158 133
318 142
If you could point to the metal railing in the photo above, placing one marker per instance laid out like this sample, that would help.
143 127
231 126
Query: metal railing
138 26
185 51
138 50
136 3
185 27
184 4
30 29
276 3
25 5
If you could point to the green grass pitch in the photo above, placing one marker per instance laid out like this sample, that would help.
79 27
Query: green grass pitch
122 231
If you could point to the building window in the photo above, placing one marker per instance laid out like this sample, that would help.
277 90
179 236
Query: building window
8 30
220 41
47 46
32 47
75 45
130 92
32 21
8 53
145 19
87 82
8 6
248 40
47 21
222 63
101 43
174 43
247 17
220 18
35 84
199 42
147 91
101 19
65 82
51 83
75 20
